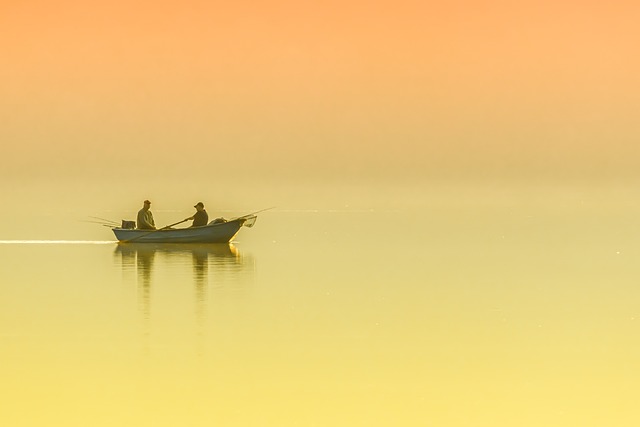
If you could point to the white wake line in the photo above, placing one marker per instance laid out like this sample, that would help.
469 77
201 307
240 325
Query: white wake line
57 242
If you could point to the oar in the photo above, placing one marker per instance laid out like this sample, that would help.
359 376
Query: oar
153 231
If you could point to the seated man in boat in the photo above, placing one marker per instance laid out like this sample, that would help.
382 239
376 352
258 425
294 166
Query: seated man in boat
201 217
145 217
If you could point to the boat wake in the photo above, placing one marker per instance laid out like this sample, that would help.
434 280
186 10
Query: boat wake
57 242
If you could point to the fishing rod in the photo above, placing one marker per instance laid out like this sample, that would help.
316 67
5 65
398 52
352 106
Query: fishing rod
106 224
105 220
253 213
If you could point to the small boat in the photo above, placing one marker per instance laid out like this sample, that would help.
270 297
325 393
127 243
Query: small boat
214 232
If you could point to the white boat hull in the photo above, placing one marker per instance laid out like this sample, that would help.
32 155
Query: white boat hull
211 233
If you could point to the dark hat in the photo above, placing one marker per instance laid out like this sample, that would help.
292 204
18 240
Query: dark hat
199 204
146 201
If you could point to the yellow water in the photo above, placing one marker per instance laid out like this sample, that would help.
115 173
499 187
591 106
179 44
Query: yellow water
460 306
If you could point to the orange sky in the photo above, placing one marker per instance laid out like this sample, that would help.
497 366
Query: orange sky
368 90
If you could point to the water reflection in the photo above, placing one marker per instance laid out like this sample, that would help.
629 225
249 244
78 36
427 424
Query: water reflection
210 267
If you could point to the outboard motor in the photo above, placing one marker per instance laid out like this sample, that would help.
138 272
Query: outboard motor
128 225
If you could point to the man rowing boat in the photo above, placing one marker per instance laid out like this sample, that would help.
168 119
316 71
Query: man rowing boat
201 217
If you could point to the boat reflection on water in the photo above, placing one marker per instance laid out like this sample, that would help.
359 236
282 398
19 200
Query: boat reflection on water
208 266
218 256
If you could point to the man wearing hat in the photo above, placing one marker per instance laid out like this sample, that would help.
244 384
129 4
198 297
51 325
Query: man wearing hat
145 217
201 217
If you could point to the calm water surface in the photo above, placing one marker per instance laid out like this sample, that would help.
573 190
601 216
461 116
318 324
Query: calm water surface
479 313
